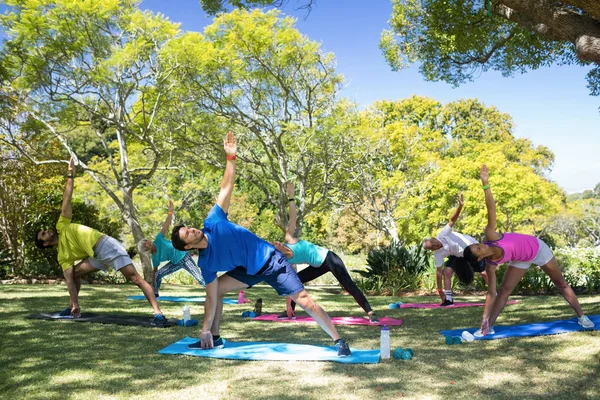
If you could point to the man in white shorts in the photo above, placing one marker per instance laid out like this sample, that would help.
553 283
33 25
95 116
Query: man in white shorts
96 250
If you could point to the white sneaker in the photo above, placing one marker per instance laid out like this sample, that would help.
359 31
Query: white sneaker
479 334
585 322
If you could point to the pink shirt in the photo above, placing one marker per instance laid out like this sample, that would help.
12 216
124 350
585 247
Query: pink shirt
517 247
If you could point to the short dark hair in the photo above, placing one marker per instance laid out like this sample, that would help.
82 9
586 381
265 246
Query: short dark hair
39 242
176 240
463 270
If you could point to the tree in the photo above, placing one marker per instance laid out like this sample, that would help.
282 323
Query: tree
455 40
214 7
253 72
95 69
415 156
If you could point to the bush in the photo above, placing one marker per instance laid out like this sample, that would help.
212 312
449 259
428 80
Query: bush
395 267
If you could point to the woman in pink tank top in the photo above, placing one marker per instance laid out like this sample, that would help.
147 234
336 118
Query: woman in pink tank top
519 251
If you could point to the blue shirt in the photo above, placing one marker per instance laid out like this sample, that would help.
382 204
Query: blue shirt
165 251
307 253
230 246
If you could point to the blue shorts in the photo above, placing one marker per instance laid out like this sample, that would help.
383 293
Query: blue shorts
478 266
277 272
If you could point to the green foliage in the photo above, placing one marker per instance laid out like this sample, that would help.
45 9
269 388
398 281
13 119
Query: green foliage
214 7
455 40
396 267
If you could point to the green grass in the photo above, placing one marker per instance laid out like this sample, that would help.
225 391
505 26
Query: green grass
66 360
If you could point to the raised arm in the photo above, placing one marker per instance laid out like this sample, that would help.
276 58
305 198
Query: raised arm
490 204
230 146
454 217
291 227
67 208
168 220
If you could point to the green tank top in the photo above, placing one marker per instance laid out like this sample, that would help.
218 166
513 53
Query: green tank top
307 253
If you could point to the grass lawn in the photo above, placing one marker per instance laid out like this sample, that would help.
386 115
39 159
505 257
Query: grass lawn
64 360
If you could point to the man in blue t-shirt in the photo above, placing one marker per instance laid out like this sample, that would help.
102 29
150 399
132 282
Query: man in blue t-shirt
162 250
226 247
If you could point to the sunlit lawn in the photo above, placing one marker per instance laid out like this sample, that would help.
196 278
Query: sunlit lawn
42 359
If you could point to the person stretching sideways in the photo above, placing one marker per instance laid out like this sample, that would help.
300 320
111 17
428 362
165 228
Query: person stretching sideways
98 251
162 250
519 251
321 261
451 244
246 259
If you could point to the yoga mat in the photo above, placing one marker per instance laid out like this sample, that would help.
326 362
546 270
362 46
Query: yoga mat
305 319
182 299
455 305
130 320
534 329
264 351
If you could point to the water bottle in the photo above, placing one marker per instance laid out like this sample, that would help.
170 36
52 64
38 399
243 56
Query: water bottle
385 343
186 314
241 297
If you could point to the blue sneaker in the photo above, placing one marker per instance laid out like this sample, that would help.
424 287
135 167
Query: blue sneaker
65 313
342 348
217 344
159 321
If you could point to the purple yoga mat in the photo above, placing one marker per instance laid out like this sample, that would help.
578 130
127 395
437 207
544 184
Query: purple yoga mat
305 319
455 305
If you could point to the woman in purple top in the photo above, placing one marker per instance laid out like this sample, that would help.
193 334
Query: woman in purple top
519 251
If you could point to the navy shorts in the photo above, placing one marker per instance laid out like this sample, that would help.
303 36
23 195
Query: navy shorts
477 266
277 272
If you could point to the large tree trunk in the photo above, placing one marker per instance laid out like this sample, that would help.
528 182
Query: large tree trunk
128 215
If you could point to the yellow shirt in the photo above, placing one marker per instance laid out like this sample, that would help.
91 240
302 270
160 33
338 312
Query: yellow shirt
75 242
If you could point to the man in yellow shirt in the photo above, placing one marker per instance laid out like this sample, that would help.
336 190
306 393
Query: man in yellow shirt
82 249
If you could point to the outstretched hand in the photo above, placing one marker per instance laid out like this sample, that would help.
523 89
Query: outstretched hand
206 340
71 169
290 190
230 144
461 200
484 174
171 206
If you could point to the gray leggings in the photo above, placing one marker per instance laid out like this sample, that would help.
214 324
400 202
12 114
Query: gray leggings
186 263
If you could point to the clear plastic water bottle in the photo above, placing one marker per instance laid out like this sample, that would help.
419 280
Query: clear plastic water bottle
186 313
385 343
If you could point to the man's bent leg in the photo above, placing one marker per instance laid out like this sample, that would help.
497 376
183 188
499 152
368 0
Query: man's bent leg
226 284
130 273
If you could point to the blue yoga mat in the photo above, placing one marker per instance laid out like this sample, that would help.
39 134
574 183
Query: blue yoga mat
264 351
182 299
535 329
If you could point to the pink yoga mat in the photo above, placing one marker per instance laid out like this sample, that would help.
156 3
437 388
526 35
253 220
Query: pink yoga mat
455 305
305 319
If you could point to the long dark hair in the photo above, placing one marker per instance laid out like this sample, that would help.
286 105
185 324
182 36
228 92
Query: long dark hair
463 270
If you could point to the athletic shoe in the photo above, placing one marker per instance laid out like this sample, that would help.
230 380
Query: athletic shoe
159 321
342 348
479 334
156 295
585 322
284 315
447 303
217 344
65 313
374 319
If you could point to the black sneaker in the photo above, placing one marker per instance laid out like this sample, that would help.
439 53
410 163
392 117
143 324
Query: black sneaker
342 348
284 315
258 307
217 344
159 321
447 303
374 319
65 313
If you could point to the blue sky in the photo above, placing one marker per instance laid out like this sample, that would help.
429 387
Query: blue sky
550 106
